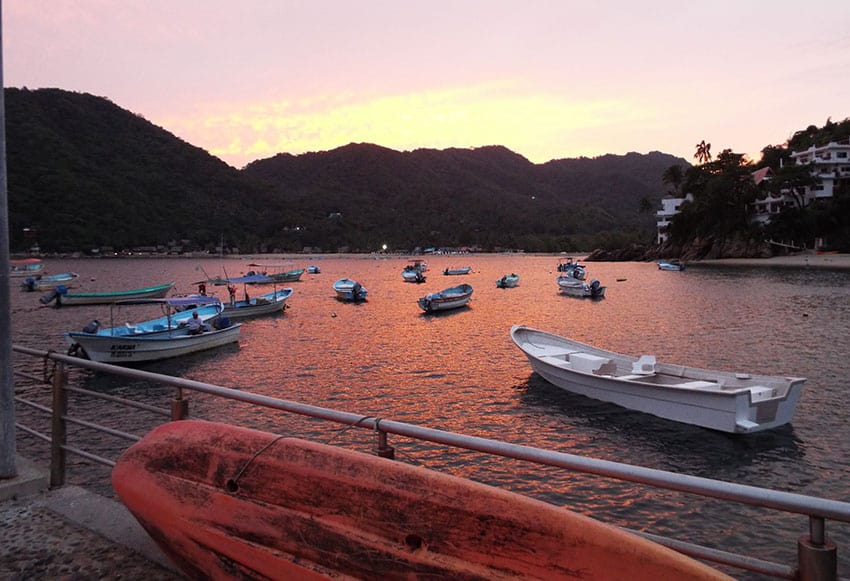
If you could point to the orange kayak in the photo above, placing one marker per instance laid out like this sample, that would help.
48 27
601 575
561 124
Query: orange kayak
228 502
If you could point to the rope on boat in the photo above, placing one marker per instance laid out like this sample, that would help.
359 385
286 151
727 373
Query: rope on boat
233 483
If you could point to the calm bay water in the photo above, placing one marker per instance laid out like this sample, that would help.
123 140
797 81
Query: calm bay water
459 371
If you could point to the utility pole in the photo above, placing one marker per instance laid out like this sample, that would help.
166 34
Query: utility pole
7 388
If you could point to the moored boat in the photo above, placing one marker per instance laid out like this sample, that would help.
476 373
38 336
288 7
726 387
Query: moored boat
219 498
23 267
164 343
413 273
47 282
263 304
62 297
571 267
280 272
670 265
456 271
313 269
574 287
249 306
508 281
719 400
450 298
349 290
176 312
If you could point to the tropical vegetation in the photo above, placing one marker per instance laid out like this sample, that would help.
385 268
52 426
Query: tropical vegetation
723 192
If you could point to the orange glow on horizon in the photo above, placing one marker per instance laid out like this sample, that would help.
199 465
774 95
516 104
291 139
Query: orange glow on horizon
531 125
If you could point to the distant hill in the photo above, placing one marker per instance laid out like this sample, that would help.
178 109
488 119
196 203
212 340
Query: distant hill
489 196
84 173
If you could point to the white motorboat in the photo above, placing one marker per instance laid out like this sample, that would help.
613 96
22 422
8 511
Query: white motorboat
574 287
157 339
450 298
508 281
47 282
719 400
670 265
264 304
350 290
413 274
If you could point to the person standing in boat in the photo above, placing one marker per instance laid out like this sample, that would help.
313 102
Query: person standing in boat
231 290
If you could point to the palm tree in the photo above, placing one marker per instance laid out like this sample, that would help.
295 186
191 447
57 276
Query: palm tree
703 154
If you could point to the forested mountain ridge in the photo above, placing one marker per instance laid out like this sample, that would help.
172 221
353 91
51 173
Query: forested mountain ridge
84 173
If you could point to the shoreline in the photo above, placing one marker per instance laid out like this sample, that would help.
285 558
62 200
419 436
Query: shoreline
833 261
803 260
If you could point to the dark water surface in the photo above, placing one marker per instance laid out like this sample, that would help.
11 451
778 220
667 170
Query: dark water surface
459 371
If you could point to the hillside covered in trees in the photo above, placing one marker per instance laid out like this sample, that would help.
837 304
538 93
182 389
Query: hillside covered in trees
719 222
84 173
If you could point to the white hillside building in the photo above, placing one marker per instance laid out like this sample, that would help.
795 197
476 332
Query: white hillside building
830 163
669 208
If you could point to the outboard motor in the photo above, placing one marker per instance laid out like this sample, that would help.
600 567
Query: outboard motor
92 327
594 288
29 283
356 291
54 294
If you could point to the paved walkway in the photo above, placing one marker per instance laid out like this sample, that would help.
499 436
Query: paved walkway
71 534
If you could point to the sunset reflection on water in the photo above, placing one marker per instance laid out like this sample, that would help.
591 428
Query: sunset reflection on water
459 371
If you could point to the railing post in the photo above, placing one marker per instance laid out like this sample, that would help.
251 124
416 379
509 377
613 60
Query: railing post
817 557
179 406
58 428
384 450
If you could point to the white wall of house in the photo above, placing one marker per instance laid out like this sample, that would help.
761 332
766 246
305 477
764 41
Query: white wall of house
830 163
669 208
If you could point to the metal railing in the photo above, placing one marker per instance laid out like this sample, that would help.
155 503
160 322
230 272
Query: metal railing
816 554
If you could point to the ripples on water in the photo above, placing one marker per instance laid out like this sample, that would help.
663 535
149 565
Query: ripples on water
459 371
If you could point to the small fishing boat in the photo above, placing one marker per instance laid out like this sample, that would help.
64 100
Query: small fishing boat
571 267
450 298
248 306
176 312
719 400
456 271
349 290
574 287
143 347
508 281
418 264
670 265
224 501
412 273
264 304
62 297
47 282
280 272
24 267
313 269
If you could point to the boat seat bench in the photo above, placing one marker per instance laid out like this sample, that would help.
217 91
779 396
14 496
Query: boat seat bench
635 376
553 351
699 385
591 363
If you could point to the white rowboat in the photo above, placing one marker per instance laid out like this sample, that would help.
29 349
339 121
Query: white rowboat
719 400
450 298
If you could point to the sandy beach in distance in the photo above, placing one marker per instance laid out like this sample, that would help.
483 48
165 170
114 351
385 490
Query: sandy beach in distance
805 260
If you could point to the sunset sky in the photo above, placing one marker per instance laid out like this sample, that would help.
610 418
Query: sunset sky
547 79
